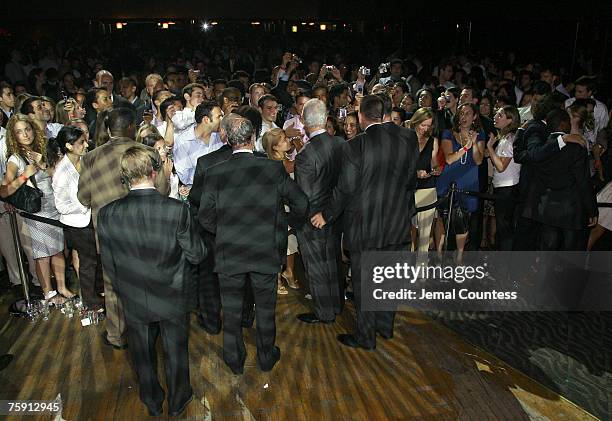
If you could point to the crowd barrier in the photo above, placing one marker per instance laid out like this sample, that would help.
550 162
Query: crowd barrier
449 197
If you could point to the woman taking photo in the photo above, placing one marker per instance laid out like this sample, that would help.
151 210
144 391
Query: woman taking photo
463 148
506 174
427 171
80 236
278 147
26 148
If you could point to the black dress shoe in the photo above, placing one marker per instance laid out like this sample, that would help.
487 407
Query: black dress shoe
182 408
270 365
385 336
238 371
312 318
107 342
208 329
155 412
351 341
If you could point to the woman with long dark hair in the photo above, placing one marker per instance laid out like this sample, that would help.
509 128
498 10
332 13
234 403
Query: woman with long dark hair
506 173
80 235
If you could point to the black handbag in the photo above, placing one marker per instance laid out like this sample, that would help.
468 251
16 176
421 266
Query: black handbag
26 198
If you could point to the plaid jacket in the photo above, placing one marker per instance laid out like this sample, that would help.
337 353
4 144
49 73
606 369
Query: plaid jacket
100 181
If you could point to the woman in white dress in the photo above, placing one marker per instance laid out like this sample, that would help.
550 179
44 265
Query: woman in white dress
26 148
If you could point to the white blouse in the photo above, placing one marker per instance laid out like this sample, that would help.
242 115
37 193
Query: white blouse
65 188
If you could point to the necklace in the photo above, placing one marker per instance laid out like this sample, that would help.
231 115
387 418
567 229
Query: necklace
462 142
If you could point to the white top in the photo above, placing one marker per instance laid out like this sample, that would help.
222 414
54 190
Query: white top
600 114
65 188
52 129
525 113
511 175
265 127
3 157
183 119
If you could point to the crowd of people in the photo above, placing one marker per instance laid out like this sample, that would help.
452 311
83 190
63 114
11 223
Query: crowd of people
195 183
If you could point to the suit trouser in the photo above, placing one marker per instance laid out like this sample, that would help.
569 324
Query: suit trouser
115 321
554 238
320 263
209 295
370 322
527 234
175 340
7 247
233 290
83 240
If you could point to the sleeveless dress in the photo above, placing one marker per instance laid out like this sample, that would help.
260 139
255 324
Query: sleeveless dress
47 240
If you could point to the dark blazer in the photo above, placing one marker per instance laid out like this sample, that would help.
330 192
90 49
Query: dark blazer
204 162
376 187
146 241
242 204
529 148
562 194
317 167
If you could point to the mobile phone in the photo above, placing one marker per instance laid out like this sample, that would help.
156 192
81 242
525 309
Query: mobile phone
64 96
359 88
342 113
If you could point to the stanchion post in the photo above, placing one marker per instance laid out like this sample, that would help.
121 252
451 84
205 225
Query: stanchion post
17 244
451 199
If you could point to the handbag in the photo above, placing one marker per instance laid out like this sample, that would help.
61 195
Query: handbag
26 198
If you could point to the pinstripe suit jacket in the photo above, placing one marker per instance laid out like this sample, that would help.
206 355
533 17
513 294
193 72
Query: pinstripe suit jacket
242 204
317 167
147 242
100 180
376 187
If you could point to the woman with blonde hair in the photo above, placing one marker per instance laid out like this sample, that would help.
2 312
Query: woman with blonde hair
144 130
506 173
427 172
277 147
26 148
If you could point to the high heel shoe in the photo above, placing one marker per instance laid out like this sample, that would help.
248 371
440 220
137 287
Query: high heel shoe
291 281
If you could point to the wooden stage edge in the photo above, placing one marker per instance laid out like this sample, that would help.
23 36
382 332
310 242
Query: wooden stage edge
426 372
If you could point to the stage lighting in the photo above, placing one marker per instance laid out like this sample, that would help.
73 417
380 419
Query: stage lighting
119 25
165 25
323 27
255 23
205 26
294 28
214 23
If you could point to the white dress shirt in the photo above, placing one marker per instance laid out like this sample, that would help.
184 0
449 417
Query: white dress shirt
600 113
52 129
187 150
265 127
65 188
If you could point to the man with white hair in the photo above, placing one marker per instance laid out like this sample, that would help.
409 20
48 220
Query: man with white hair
316 172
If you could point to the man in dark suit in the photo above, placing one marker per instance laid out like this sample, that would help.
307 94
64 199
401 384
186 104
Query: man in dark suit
316 172
376 193
209 293
242 205
141 231
530 148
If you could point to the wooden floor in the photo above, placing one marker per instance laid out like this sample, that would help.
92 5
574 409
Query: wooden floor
425 373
